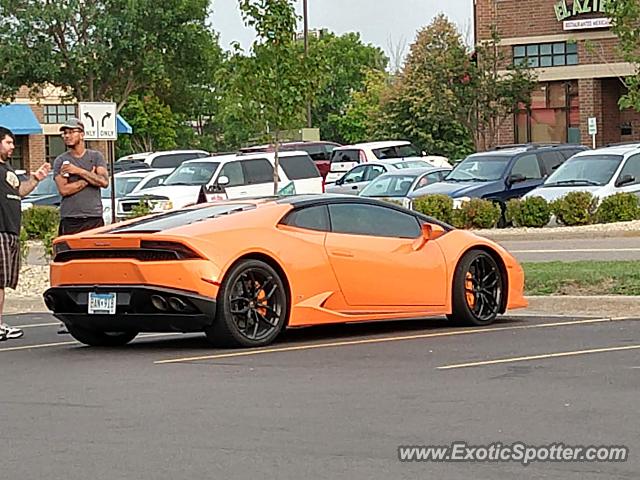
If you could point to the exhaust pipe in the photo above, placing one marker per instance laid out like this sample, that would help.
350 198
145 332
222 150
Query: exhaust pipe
177 304
160 303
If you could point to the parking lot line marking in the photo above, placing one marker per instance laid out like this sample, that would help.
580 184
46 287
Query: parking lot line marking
579 250
539 357
35 325
313 346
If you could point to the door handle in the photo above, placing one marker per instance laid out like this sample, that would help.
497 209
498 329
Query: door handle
342 253
355 187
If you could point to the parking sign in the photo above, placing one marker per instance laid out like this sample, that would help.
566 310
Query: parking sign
593 126
99 120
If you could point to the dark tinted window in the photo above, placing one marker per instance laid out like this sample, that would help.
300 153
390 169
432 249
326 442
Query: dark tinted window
257 171
299 167
345 156
378 221
173 160
154 182
551 160
570 152
527 165
311 218
316 152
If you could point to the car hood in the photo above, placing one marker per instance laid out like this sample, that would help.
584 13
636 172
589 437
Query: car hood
459 189
180 195
552 193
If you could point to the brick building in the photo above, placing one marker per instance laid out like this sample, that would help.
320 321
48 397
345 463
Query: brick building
36 120
573 51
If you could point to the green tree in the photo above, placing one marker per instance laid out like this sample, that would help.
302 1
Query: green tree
625 15
104 49
342 64
359 121
280 79
154 125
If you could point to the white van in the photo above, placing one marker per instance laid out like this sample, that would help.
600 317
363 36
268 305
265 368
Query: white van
229 177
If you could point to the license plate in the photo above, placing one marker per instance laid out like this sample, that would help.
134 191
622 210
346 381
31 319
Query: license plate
102 303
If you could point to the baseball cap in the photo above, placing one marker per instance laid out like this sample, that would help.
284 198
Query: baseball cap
72 123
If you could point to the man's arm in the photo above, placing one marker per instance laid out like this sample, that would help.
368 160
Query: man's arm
98 177
36 177
67 188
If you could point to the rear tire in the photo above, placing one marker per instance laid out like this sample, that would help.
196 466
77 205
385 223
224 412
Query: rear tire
95 338
253 306
478 289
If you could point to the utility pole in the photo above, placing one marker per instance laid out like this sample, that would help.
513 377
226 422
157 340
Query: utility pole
305 14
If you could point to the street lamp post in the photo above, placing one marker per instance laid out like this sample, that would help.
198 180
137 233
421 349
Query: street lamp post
305 14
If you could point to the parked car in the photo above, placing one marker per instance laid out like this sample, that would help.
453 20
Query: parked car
602 172
228 177
130 183
503 173
164 159
319 151
45 194
399 184
242 271
359 176
345 158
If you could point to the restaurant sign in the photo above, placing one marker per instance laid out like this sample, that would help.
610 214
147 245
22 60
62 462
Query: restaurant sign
565 11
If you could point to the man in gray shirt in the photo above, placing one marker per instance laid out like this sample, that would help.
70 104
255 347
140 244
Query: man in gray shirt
79 174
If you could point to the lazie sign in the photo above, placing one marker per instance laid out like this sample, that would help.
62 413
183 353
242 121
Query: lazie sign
579 7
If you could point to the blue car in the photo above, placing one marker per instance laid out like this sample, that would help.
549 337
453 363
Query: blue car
501 174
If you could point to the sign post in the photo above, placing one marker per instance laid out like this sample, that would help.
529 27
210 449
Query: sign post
593 129
99 120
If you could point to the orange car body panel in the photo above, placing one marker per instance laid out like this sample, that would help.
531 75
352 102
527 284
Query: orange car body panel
332 278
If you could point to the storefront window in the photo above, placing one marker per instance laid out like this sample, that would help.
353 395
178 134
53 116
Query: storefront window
546 54
17 158
54 147
58 113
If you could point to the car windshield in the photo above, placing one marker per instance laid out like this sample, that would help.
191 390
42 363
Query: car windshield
412 164
124 186
389 186
396 151
585 170
45 187
192 173
480 168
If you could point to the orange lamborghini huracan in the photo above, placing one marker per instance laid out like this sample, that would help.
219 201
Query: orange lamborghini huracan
242 271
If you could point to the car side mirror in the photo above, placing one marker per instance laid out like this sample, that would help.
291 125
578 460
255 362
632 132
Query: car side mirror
223 181
625 180
430 231
424 154
340 181
515 178
348 180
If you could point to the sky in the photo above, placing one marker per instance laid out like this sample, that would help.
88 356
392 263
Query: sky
389 24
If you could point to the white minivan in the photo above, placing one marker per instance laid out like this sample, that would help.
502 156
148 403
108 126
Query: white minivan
229 177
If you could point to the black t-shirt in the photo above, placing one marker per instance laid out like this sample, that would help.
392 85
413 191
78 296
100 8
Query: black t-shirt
10 210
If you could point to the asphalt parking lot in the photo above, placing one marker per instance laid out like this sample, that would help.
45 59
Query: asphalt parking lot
325 402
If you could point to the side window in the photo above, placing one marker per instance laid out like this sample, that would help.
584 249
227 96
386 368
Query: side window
361 219
328 149
173 160
340 156
374 171
258 171
428 179
311 218
299 167
316 152
632 167
233 171
527 166
355 175
551 161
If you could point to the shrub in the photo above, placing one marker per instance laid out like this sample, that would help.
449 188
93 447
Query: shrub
141 209
38 221
436 206
528 212
477 213
47 242
575 208
24 248
620 207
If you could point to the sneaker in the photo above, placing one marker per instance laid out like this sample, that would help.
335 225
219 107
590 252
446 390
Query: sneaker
62 329
10 332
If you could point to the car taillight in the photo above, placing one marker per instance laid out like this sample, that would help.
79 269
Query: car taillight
182 251
362 157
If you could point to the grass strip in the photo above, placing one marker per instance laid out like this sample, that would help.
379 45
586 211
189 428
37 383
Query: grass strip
582 278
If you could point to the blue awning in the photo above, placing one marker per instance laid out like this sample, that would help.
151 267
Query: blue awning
19 118
123 126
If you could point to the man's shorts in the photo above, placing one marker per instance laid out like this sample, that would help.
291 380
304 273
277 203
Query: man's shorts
9 260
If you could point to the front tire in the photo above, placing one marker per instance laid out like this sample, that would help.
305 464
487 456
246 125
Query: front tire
253 306
478 289
96 338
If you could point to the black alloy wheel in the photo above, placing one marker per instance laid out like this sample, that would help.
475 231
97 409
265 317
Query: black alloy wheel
252 306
